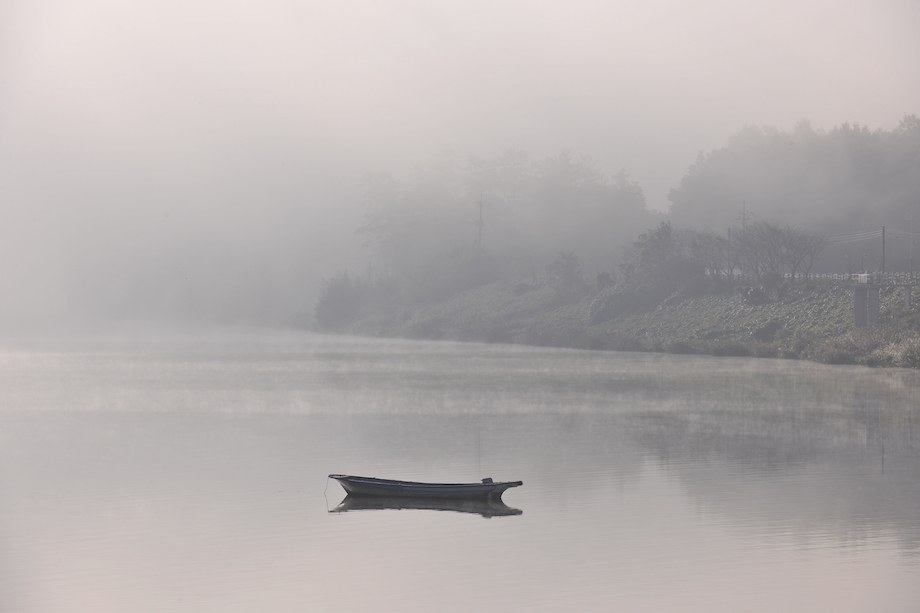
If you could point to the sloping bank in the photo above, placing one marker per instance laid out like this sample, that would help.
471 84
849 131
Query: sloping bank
798 322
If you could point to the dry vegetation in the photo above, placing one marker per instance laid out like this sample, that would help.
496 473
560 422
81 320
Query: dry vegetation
799 322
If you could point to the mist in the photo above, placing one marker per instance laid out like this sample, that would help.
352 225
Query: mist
179 162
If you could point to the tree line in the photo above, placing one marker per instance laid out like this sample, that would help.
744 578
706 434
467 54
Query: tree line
455 224
760 249
837 180
522 211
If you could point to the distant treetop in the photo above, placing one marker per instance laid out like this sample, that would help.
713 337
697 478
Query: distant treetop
847 177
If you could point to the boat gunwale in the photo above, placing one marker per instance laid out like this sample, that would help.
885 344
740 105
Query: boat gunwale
379 481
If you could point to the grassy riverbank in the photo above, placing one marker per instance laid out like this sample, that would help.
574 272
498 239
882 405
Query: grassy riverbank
798 322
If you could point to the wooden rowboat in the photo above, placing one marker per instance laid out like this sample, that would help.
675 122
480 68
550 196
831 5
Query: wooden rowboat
371 486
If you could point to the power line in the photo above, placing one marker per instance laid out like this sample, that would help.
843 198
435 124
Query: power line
858 236
853 240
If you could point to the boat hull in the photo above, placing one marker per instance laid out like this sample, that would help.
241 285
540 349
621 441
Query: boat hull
370 486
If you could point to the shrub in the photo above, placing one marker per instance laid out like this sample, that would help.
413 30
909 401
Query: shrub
909 354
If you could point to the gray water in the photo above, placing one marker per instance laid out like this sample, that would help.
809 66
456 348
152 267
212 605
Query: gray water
190 475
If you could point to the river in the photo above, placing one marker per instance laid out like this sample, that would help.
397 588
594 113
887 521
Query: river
190 474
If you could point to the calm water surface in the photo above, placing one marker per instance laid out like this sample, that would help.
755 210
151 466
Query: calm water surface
190 475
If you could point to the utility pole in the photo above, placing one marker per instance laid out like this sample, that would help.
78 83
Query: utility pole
910 247
728 250
883 249
744 216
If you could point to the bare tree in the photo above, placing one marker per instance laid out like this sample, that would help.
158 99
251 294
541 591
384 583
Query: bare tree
803 249
714 252
767 247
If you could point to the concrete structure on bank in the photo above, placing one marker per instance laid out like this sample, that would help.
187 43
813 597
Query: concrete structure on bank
867 300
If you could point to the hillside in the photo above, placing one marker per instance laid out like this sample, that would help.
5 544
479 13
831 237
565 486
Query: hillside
799 322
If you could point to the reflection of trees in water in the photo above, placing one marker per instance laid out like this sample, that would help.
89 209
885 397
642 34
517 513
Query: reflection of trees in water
764 414
807 450
774 438
850 473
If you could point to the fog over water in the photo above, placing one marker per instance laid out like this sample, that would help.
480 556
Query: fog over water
178 178
189 474
201 161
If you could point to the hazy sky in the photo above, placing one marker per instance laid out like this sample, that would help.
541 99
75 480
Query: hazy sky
151 148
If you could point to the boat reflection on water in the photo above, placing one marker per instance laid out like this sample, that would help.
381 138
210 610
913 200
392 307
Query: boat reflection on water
484 507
